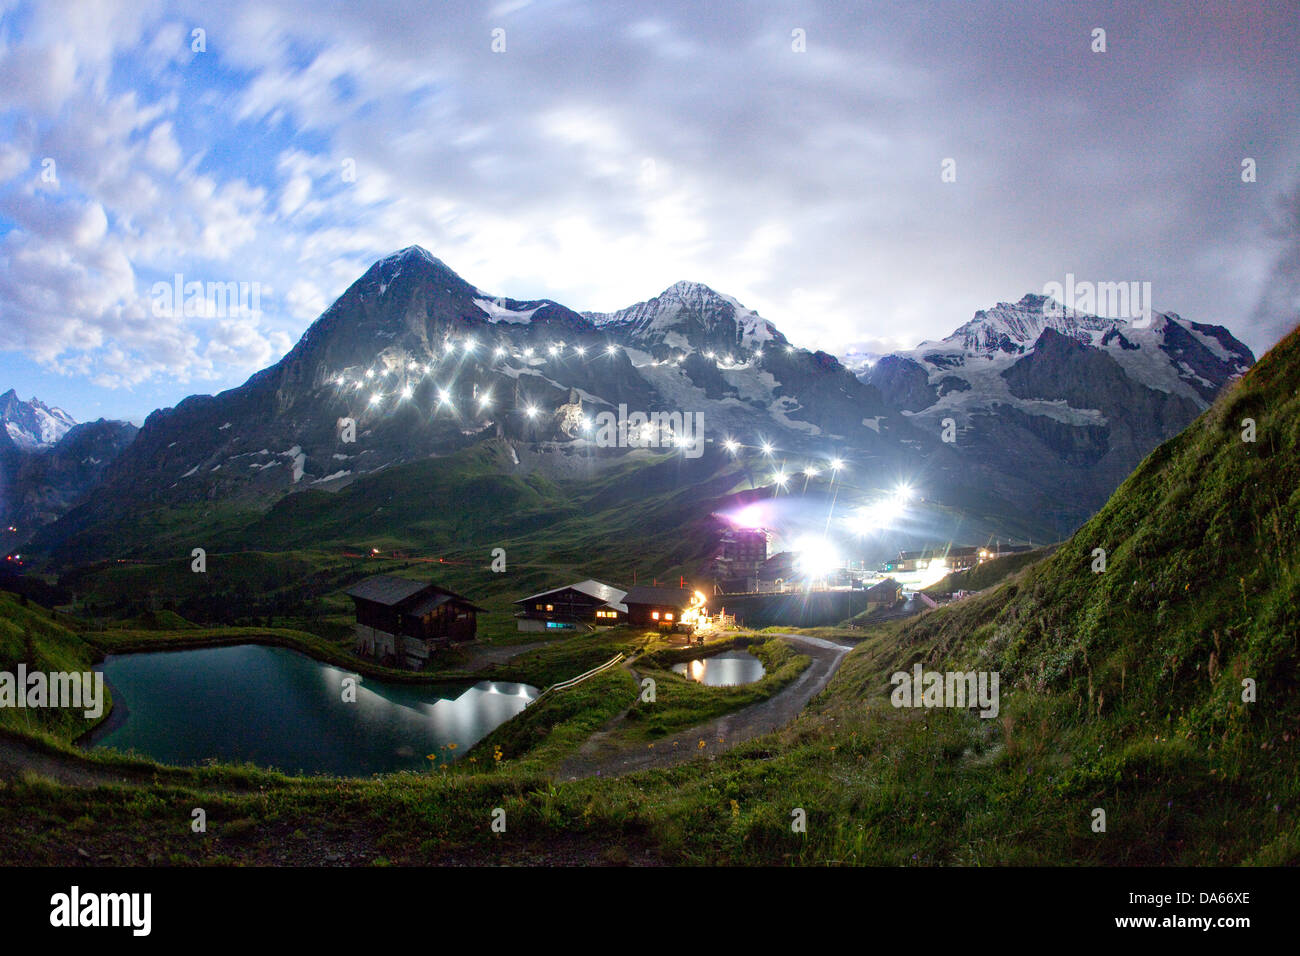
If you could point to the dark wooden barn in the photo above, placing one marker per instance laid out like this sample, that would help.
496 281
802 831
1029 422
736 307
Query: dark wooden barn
657 607
400 621
587 602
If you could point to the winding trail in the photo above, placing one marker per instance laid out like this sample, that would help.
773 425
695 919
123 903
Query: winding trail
602 755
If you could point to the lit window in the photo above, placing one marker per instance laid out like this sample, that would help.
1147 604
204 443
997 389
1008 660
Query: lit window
668 617
550 607
654 615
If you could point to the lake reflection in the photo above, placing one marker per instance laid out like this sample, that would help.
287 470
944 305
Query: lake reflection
278 708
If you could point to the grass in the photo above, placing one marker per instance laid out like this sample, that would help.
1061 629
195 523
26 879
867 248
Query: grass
680 702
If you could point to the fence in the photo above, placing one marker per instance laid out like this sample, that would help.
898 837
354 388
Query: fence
574 681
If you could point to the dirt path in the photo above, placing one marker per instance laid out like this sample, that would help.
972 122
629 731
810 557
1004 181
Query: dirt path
604 756
488 655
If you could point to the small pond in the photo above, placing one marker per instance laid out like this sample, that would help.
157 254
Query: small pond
726 669
277 708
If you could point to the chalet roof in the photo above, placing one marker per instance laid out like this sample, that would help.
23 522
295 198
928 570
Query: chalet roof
390 591
599 590
386 589
670 597
885 586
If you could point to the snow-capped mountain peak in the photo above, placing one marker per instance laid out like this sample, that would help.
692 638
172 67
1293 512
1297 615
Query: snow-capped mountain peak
1015 326
33 424
691 317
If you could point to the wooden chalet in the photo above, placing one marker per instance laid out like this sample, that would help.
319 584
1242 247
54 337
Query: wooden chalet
657 607
400 622
885 593
589 602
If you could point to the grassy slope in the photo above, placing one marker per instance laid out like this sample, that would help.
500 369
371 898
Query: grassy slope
989 573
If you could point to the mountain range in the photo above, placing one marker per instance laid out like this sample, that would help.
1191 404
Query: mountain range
47 462
1049 411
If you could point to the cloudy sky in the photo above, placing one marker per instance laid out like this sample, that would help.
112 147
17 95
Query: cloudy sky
787 153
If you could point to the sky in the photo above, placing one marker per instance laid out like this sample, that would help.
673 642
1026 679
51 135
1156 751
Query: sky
789 154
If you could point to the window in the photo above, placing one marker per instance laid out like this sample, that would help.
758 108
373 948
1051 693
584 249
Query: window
654 615
538 607
668 617
550 607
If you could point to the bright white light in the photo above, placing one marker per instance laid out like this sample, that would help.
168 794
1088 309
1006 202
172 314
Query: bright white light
531 411
340 380
811 472
758 353
905 492
611 349
581 350
412 366
376 398
499 351
731 445
815 556
789 348
836 464
877 517
357 387
586 424
528 351
708 355
407 392
780 478
370 373
485 400
470 345
444 396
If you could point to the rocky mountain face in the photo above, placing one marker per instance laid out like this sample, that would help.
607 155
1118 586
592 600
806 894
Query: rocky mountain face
32 424
690 317
41 482
413 361
1074 400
